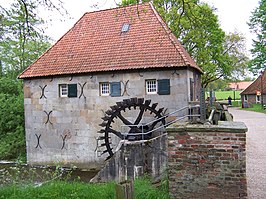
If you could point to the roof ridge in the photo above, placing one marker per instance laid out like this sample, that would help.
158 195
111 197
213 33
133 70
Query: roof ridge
86 13
170 34
254 81
81 48
119 7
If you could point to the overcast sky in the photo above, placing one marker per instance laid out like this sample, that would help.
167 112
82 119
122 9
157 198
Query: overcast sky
233 15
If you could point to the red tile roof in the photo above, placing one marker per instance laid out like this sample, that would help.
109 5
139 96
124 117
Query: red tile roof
95 43
239 85
256 86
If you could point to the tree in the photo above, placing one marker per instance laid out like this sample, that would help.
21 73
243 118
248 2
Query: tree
12 136
257 24
21 42
235 49
219 85
197 28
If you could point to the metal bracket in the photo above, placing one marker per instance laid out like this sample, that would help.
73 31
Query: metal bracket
82 88
71 77
125 88
48 117
175 73
38 141
64 141
43 88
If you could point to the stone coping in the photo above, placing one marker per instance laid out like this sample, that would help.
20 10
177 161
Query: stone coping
223 126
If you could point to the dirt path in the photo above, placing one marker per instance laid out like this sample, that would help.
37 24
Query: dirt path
256 151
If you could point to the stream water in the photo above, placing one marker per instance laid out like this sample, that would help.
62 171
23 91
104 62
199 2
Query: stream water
15 173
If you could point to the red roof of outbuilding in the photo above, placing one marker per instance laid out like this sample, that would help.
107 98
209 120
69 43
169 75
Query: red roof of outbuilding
257 85
239 85
95 43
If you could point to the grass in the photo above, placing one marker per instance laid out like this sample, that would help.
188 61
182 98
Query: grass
59 189
236 103
256 108
143 189
223 95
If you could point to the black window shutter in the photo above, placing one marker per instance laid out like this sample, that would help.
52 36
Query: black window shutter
72 90
164 86
115 89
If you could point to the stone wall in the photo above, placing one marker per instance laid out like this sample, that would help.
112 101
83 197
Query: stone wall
136 159
207 161
63 130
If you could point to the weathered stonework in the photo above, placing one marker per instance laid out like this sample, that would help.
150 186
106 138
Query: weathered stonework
64 130
136 159
207 161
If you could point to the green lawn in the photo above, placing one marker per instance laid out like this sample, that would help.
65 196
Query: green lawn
143 189
256 108
223 95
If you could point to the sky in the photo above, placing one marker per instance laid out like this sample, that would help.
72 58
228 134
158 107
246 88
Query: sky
233 15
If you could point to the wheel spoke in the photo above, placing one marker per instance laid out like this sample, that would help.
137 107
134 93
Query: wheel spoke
139 116
135 130
124 120
132 123
118 134
151 127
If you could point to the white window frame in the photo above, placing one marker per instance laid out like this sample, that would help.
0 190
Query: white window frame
258 99
151 86
63 90
104 88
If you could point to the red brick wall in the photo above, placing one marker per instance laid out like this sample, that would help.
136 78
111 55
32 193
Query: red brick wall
207 161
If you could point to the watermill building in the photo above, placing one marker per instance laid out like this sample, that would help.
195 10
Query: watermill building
107 58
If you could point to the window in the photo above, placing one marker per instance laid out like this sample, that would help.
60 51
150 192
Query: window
246 97
160 87
105 88
125 27
113 89
68 90
63 90
151 86
257 99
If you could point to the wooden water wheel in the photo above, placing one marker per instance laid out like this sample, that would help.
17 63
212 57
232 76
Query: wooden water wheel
136 115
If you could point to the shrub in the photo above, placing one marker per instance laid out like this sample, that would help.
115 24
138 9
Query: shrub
12 135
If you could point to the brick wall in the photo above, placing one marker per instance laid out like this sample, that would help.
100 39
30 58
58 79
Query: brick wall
207 161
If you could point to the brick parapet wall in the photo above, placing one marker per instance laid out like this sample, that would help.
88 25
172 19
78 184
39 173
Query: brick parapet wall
207 161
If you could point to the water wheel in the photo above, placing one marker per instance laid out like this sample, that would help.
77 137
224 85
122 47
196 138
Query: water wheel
135 116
